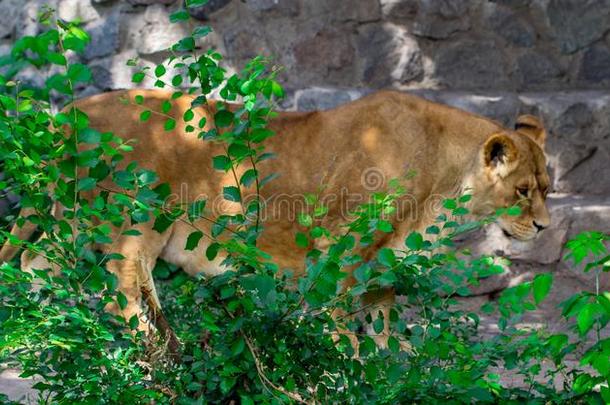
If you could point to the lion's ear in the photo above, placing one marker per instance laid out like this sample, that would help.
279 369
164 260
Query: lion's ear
531 126
500 154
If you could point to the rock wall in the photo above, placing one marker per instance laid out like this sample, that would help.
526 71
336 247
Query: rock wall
498 58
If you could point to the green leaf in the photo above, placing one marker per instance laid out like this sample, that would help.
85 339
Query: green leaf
304 219
201 31
384 226
195 210
221 162
393 344
86 184
170 124
248 177
177 16
166 106
231 193
121 299
223 118
193 240
301 240
139 99
160 70
542 286
238 151
212 251
188 115
386 257
177 81
277 90
586 318
134 321
145 115
449 204
238 346
162 222
378 325
57 58
513 211
79 73
185 45
138 77
414 241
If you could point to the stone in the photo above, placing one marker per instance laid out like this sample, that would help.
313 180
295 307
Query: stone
158 34
536 69
578 146
328 54
27 22
112 72
318 98
595 65
439 19
514 29
9 16
82 10
389 54
399 9
104 34
286 8
333 11
576 24
471 65
203 13
570 215
516 4
149 2
502 107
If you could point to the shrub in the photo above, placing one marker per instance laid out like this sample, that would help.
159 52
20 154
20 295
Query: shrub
251 334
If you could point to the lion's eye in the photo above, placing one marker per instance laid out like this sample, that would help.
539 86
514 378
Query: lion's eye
522 191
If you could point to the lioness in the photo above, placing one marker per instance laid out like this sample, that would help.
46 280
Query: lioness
385 134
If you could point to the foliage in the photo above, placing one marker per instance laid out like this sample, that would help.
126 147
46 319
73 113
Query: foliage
252 334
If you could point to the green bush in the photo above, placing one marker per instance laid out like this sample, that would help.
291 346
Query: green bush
251 335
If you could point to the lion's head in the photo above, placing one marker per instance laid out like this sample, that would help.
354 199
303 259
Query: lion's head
513 172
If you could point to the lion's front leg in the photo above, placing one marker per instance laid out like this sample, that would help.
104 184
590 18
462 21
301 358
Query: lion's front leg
134 271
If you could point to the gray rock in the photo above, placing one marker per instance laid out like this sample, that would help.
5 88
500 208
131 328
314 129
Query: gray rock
536 69
595 65
70 10
439 19
104 35
318 98
569 216
512 28
204 12
502 107
388 55
244 44
337 11
326 57
158 34
516 4
399 9
9 16
274 8
576 24
149 2
578 147
467 65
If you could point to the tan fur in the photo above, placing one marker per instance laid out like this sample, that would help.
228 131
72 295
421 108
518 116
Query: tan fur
386 133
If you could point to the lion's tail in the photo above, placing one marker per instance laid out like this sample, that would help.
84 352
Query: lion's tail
23 233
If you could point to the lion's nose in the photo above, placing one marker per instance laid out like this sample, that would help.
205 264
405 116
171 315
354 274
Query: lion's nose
538 226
